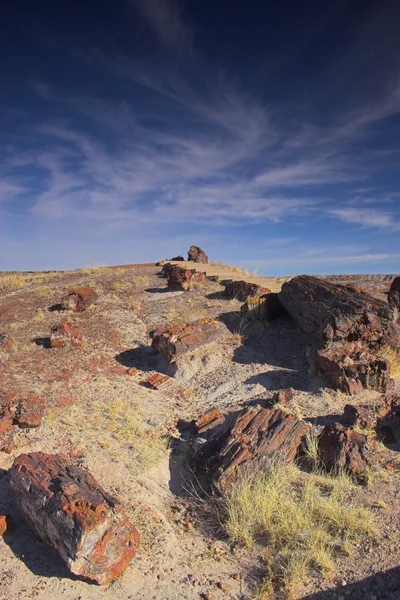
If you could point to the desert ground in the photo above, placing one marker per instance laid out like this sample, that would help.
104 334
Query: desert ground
129 436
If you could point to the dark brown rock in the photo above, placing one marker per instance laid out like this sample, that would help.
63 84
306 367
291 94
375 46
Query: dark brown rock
343 448
180 339
248 440
66 333
349 329
79 300
70 511
394 293
241 290
29 412
177 258
180 279
263 308
208 420
361 416
197 255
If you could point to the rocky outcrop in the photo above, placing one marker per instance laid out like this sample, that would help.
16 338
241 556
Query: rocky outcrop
263 308
247 441
197 255
177 258
342 448
65 334
79 300
180 339
24 412
241 290
364 417
349 329
70 511
394 293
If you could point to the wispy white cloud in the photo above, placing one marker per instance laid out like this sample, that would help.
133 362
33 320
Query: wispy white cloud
368 217
165 19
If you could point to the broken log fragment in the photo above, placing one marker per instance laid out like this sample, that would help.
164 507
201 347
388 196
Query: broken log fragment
349 328
263 308
246 441
180 339
343 448
70 511
65 334
241 290
79 300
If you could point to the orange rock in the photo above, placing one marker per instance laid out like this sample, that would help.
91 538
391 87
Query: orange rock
5 525
66 333
132 372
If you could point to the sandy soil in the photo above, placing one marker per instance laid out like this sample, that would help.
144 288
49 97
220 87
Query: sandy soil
106 420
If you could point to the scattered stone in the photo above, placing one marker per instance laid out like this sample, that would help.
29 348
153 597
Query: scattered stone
29 412
283 397
161 382
263 308
70 511
242 290
209 419
249 439
180 279
197 255
343 448
66 333
79 300
5 525
180 339
6 343
394 293
361 416
348 328
132 372
178 258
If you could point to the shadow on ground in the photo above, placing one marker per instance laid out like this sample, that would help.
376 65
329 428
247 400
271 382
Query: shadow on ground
384 585
39 558
142 358
44 342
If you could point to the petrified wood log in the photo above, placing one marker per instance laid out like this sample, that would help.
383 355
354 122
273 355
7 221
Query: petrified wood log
180 339
330 312
181 279
247 441
72 513
348 326
394 293
342 448
197 255
15 411
79 300
241 290
263 308
66 333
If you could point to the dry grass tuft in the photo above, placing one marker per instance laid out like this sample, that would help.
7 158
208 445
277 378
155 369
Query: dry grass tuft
393 356
14 281
304 520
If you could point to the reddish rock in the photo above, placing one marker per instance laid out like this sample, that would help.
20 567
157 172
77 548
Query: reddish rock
209 419
167 269
29 412
394 293
349 329
180 279
197 255
5 525
264 308
160 382
7 413
180 339
6 343
70 511
361 416
343 448
132 372
248 440
79 300
284 397
66 333
241 290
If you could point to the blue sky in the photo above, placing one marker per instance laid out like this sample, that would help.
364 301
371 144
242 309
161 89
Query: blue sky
267 133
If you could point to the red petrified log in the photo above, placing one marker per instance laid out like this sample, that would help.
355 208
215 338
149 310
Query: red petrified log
72 513
66 333
30 411
178 340
342 448
248 440
181 279
241 290
79 299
